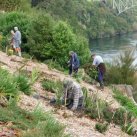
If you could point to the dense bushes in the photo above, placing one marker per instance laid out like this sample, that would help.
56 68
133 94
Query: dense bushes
43 38
91 19
12 5
40 37
7 23
50 41
64 40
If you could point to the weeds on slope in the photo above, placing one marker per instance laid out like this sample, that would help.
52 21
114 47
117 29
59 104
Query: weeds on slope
101 111
31 123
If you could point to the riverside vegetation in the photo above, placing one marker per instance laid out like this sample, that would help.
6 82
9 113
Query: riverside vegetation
61 29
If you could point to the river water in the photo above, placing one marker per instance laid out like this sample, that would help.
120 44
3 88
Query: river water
110 48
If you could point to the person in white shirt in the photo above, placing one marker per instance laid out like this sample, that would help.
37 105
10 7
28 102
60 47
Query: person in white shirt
99 64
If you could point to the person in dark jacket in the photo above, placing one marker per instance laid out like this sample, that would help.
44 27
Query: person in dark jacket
99 64
73 63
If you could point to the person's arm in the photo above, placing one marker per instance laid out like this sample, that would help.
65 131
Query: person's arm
94 62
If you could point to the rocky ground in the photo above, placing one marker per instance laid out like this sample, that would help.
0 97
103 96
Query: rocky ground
76 126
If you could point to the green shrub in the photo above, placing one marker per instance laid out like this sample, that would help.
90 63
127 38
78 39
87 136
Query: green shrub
12 5
42 122
128 129
126 102
94 106
9 5
23 83
64 40
40 37
7 23
8 86
90 70
101 127
121 116
122 70
108 114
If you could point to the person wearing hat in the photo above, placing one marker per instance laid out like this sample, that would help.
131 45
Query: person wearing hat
73 63
99 64
73 95
17 40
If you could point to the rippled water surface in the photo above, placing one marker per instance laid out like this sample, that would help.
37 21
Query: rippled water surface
110 48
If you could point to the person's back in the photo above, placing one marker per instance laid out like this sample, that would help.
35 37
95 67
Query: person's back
76 61
74 94
18 36
99 63
97 60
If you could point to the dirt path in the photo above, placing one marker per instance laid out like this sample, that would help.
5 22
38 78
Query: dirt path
77 127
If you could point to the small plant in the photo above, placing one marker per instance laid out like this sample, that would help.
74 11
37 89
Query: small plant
128 129
23 83
101 127
122 116
94 106
51 85
108 114
8 87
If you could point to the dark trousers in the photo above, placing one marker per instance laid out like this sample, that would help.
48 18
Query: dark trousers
71 69
101 71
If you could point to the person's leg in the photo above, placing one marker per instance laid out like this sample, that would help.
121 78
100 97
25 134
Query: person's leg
76 70
80 103
70 70
69 103
19 51
100 78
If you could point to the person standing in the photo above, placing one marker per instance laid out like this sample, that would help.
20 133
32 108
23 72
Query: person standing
17 39
73 63
99 64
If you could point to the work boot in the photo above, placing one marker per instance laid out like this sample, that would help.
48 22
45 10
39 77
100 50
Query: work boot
101 85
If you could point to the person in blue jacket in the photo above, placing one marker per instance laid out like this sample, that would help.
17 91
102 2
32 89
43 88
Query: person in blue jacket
73 63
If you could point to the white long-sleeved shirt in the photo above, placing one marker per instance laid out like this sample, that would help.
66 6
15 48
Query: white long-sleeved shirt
97 60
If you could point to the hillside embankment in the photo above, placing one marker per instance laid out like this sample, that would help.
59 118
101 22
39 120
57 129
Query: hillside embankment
76 126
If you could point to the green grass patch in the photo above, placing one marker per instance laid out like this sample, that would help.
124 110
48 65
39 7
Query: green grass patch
23 83
8 87
52 86
36 123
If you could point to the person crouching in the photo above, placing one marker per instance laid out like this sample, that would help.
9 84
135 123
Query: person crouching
73 95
